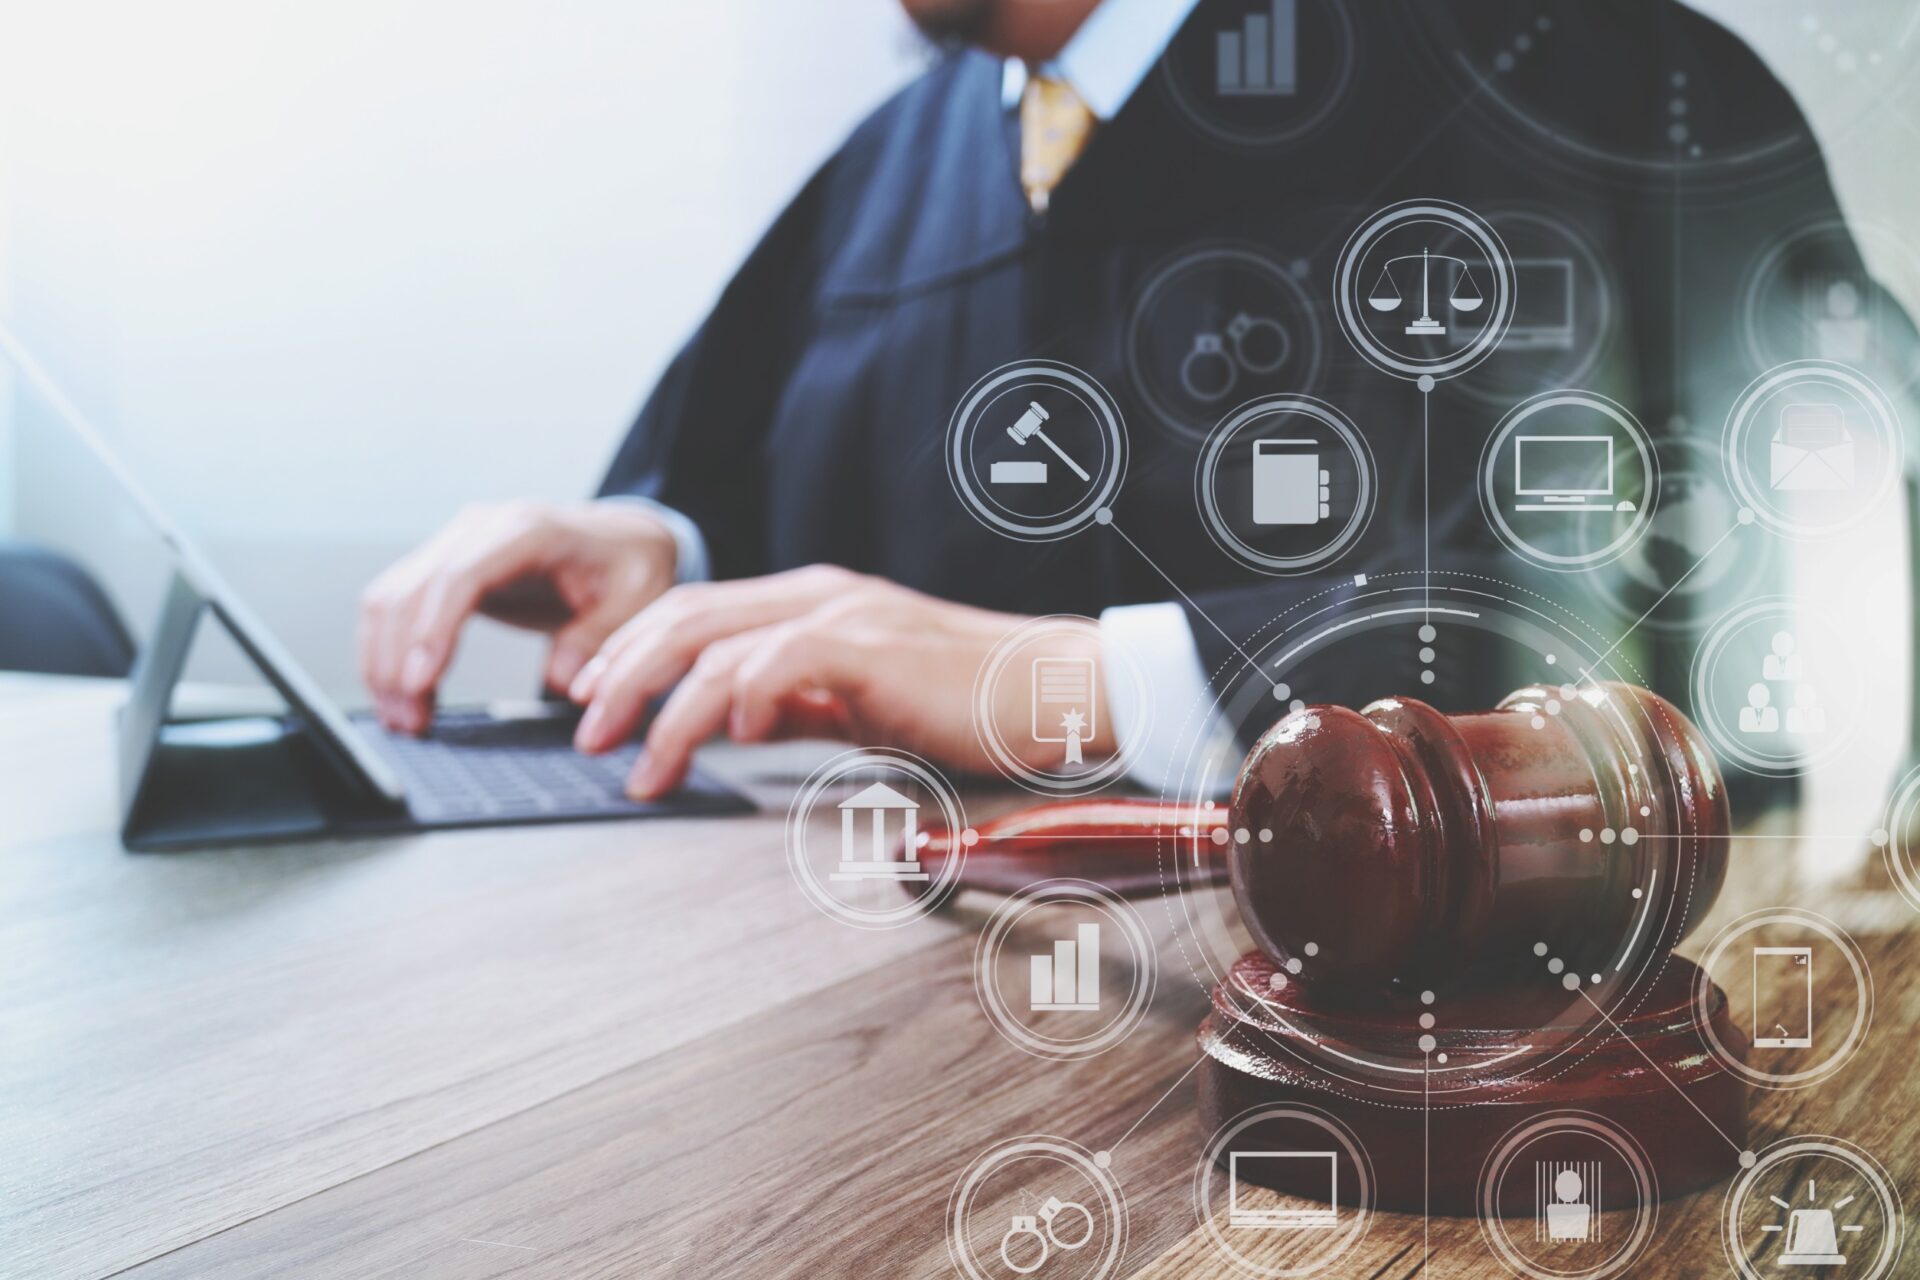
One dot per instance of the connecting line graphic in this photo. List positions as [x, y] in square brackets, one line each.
[1247, 657]
[1741, 1151]
[1426, 502]
[1156, 1102]
[1426, 1164]
[1621, 638]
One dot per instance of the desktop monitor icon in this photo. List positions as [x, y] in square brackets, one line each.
[1543, 305]
[1271, 1166]
[1565, 473]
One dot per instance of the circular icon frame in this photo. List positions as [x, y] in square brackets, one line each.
[1801, 1149]
[1493, 1226]
[1863, 989]
[1007, 761]
[1093, 1168]
[1254, 262]
[1008, 915]
[1272, 139]
[1209, 1167]
[1707, 713]
[1347, 286]
[848, 764]
[1741, 425]
[966, 423]
[1614, 412]
[1207, 469]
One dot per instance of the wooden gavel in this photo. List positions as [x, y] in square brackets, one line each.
[1416, 848]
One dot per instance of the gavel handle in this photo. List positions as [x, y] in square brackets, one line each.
[1125, 845]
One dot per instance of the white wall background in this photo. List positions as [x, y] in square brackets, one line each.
[325, 271]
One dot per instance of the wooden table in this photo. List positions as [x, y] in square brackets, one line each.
[621, 1050]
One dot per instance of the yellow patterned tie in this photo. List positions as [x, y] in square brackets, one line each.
[1054, 128]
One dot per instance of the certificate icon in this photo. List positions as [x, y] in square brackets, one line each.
[1063, 704]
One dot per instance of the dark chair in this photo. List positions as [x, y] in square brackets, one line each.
[55, 619]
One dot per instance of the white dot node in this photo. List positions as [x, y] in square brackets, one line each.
[1242, 836]
[1746, 515]
[1427, 633]
[1312, 948]
[1552, 659]
[1595, 979]
[1277, 982]
[1606, 835]
[1425, 381]
[1103, 516]
[1206, 804]
[1426, 997]
[1523, 42]
[1879, 837]
[1571, 982]
[1266, 835]
[1427, 1043]
[1440, 1057]
[1219, 835]
[1293, 965]
[1538, 722]
[1553, 706]
[1426, 655]
[1426, 1020]
[1645, 812]
[1539, 948]
[1556, 964]
[1298, 704]
[1503, 61]
[1586, 835]
[1748, 1159]
[969, 837]
[1639, 893]
[1104, 1159]
[1426, 677]
[1629, 835]
[1281, 692]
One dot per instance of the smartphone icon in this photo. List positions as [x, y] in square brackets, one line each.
[1783, 997]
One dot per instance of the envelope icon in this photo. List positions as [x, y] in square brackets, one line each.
[1812, 450]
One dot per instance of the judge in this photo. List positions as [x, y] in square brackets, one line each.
[776, 546]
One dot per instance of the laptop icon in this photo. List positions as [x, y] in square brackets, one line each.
[1312, 1170]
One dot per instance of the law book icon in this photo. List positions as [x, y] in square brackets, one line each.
[1288, 485]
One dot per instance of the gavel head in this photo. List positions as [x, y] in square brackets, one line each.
[1029, 422]
[1415, 849]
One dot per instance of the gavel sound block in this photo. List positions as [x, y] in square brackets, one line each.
[1383, 856]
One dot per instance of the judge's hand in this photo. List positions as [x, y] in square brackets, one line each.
[577, 571]
[814, 652]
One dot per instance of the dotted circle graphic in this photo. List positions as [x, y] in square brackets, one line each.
[1817, 378]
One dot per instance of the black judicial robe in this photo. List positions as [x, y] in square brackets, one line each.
[804, 421]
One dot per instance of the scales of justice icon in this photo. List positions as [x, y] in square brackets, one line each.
[1465, 295]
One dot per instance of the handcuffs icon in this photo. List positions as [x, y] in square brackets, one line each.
[1049, 1239]
[1209, 372]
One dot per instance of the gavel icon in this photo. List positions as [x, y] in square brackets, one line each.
[1415, 849]
[1032, 425]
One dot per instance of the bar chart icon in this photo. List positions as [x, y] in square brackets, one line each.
[1069, 978]
[1261, 58]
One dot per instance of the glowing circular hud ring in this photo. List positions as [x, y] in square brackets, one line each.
[1120, 913]
[849, 764]
[1346, 288]
[1621, 542]
[1741, 425]
[1863, 997]
[965, 423]
[1800, 1149]
[1366, 494]
[1038, 1147]
[1493, 1227]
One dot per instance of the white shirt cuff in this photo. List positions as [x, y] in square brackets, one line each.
[1181, 741]
[690, 563]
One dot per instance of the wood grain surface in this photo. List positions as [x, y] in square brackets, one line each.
[625, 1050]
